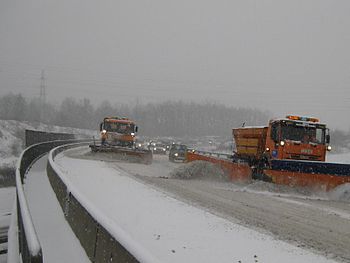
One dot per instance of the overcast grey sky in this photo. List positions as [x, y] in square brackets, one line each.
[286, 56]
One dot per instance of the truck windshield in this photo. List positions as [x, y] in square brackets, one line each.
[303, 134]
[124, 128]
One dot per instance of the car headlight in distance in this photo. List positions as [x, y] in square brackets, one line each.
[139, 145]
[176, 154]
[329, 148]
[132, 134]
[164, 150]
[155, 149]
[282, 143]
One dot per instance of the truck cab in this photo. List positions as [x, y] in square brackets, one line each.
[118, 131]
[297, 138]
[290, 138]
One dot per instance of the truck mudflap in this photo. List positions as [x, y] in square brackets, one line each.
[143, 156]
[238, 172]
[317, 175]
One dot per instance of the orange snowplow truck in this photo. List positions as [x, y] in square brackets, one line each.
[117, 131]
[290, 151]
[118, 135]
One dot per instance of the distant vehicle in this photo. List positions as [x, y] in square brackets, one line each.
[158, 148]
[177, 152]
[139, 144]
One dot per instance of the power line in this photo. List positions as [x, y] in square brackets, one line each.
[42, 87]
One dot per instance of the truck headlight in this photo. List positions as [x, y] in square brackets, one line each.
[282, 143]
[104, 131]
[329, 148]
[132, 134]
[176, 154]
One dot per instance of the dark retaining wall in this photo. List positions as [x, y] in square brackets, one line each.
[34, 137]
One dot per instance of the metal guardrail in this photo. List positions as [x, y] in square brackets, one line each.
[102, 240]
[221, 156]
[30, 250]
[218, 155]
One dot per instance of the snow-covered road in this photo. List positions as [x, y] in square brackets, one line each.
[206, 221]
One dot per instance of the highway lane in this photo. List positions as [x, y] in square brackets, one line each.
[306, 220]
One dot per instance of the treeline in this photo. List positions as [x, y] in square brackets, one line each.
[163, 119]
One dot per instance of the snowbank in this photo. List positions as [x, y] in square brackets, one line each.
[199, 170]
[340, 193]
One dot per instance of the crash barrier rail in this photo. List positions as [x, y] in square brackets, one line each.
[29, 245]
[225, 156]
[236, 171]
[102, 240]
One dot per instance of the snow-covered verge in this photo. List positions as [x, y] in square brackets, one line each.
[6, 203]
[7, 198]
[171, 230]
[12, 134]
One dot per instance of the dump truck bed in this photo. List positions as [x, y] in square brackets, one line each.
[250, 141]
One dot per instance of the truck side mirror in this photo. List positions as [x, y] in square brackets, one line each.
[274, 133]
[274, 137]
[101, 126]
[328, 138]
[136, 129]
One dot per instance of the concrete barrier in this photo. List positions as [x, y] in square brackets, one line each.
[102, 241]
[29, 246]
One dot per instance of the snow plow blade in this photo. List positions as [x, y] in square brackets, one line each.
[138, 155]
[238, 172]
[317, 175]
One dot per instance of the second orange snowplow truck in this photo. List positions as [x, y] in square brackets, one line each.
[118, 131]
